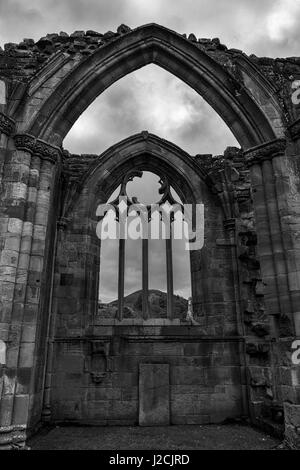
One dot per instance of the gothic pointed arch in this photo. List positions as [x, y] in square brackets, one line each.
[66, 85]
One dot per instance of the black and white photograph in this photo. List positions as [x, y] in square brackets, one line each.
[149, 228]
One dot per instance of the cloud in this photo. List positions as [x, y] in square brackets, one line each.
[154, 100]
[17, 20]
[257, 26]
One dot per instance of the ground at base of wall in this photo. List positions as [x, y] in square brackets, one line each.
[189, 437]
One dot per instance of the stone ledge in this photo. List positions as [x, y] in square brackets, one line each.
[34, 146]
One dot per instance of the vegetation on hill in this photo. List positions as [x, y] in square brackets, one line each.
[157, 305]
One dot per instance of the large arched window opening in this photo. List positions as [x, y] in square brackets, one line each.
[176, 112]
[148, 273]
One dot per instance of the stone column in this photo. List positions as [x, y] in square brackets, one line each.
[13, 181]
[169, 269]
[7, 126]
[274, 183]
[268, 223]
[28, 181]
[121, 274]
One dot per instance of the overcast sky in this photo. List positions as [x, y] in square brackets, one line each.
[150, 98]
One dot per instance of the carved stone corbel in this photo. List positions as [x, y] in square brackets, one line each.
[99, 362]
[35, 146]
[265, 151]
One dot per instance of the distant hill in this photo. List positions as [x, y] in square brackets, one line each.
[157, 305]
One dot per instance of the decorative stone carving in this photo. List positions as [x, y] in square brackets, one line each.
[258, 350]
[265, 151]
[35, 146]
[7, 125]
[260, 329]
[248, 255]
[259, 378]
[259, 382]
[99, 363]
[13, 437]
[145, 135]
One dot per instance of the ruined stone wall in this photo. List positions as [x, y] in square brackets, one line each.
[20, 63]
[228, 294]
[253, 257]
[205, 377]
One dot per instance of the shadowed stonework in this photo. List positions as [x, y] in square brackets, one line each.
[65, 363]
[154, 391]
[213, 437]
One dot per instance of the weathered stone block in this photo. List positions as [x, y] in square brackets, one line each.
[292, 436]
[9, 258]
[14, 225]
[26, 354]
[187, 375]
[6, 408]
[71, 363]
[154, 395]
[21, 404]
[130, 393]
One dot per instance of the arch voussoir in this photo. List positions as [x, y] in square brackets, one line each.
[168, 50]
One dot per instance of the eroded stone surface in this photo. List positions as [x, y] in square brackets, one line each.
[154, 395]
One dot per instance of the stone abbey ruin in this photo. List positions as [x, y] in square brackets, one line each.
[60, 360]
